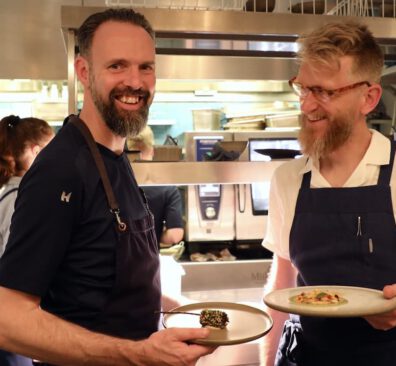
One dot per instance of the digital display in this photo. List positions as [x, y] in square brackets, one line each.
[209, 190]
[266, 149]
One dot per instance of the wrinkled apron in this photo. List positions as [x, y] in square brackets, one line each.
[342, 236]
[132, 307]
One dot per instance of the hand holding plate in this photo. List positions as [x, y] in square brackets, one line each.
[386, 320]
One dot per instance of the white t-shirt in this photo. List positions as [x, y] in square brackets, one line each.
[6, 210]
[286, 182]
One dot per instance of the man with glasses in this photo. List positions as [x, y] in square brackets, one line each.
[331, 213]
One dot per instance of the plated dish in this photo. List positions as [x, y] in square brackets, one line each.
[246, 323]
[354, 301]
[318, 297]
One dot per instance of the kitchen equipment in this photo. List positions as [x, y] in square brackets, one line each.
[209, 211]
[260, 5]
[206, 119]
[167, 153]
[234, 212]
[234, 146]
[181, 4]
[283, 120]
[267, 149]
[251, 200]
[309, 7]
[279, 153]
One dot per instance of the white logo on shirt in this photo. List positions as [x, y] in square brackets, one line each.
[65, 197]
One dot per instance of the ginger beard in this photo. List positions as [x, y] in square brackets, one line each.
[122, 122]
[338, 131]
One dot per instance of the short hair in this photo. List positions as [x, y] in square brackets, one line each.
[86, 32]
[325, 45]
[142, 141]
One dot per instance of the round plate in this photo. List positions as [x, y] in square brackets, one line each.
[246, 323]
[360, 302]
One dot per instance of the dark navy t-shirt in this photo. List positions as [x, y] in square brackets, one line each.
[166, 205]
[62, 240]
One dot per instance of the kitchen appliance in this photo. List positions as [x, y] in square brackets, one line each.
[209, 209]
[206, 119]
[234, 212]
[251, 200]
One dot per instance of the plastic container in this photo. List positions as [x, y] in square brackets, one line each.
[206, 119]
[171, 276]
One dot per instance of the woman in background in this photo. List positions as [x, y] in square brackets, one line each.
[21, 139]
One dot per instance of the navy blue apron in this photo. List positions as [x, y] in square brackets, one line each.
[12, 359]
[342, 236]
[132, 308]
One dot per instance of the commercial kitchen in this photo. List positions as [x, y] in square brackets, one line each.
[223, 68]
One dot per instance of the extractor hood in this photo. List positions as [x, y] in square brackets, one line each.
[194, 44]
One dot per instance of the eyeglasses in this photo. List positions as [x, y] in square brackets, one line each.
[323, 95]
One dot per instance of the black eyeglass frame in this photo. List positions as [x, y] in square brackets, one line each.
[318, 92]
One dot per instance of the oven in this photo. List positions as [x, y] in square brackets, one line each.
[234, 215]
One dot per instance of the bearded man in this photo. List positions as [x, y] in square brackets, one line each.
[332, 211]
[79, 280]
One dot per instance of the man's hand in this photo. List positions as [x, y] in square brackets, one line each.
[387, 320]
[169, 347]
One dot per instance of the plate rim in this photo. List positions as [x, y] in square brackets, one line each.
[306, 310]
[223, 304]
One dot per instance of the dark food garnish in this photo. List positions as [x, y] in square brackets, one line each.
[213, 318]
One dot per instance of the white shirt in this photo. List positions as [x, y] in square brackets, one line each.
[286, 182]
[6, 210]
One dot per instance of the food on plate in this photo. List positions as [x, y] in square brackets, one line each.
[318, 297]
[207, 317]
[213, 318]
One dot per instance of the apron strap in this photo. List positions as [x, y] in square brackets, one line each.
[114, 208]
[386, 170]
[291, 346]
[306, 181]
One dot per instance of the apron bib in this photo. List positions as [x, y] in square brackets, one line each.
[132, 308]
[343, 236]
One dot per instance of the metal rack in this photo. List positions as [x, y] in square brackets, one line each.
[182, 4]
[363, 8]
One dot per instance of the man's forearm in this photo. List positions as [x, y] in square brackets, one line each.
[27, 329]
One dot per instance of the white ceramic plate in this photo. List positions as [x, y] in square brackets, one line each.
[246, 323]
[360, 302]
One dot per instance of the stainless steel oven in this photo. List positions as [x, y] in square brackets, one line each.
[210, 212]
[233, 212]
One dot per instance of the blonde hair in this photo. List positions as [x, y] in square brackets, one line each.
[325, 45]
[143, 141]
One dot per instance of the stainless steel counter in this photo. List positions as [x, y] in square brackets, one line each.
[241, 281]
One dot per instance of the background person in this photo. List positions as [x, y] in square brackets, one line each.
[87, 289]
[21, 139]
[332, 212]
[164, 201]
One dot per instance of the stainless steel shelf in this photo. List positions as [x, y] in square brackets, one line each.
[192, 173]
[237, 23]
